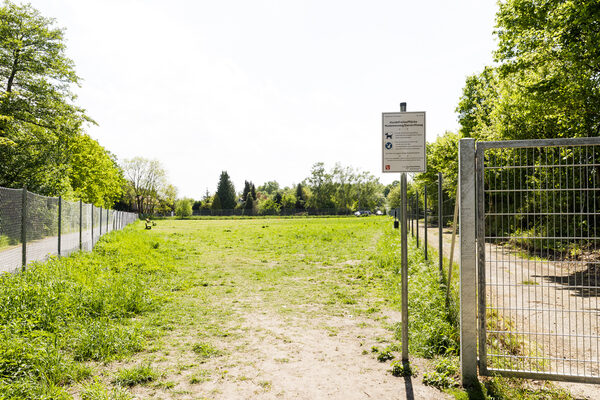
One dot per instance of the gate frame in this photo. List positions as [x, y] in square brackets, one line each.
[472, 208]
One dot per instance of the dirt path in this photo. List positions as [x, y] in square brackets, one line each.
[558, 319]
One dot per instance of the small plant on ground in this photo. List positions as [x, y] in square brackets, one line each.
[137, 375]
[400, 368]
[444, 375]
[385, 355]
[205, 350]
[97, 391]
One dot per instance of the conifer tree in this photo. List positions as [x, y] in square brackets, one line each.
[247, 189]
[253, 190]
[226, 192]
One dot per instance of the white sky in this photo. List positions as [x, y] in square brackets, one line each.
[266, 88]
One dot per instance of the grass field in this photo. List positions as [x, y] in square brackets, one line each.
[226, 308]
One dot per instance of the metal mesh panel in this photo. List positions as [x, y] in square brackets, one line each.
[41, 227]
[96, 226]
[542, 259]
[43, 217]
[86, 227]
[69, 227]
[10, 229]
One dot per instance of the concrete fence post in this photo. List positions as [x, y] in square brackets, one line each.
[468, 262]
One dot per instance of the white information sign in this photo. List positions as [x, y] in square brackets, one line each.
[403, 140]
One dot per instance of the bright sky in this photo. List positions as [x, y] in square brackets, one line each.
[266, 88]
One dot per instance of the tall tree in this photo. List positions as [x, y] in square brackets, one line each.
[146, 179]
[247, 189]
[38, 118]
[546, 83]
[226, 192]
[300, 197]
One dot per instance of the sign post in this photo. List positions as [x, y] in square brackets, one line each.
[403, 150]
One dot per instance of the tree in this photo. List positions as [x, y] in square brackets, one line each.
[216, 203]
[183, 208]
[146, 178]
[277, 198]
[38, 118]
[226, 192]
[253, 191]
[94, 173]
[247, 189]
[545, 83]
[300, 197]
[249, 205]
[269, 187]
[321, 185]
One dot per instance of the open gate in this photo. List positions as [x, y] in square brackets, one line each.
[533, 209]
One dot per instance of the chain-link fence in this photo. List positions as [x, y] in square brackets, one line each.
[34, 227]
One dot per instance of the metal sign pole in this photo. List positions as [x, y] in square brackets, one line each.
[404, 259]
[403, 151]
[404, 267]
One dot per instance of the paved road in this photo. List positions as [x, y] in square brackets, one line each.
[40, 250]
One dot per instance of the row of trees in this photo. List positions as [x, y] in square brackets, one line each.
[43, 143]
[340, 190]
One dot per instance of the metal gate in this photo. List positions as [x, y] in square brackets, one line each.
[537, 224]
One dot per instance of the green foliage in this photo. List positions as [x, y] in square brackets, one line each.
[42, 144]
[225, 193]
[95, 176]
[183, 208]
[342, 189]
[269, 188]
[546, 82]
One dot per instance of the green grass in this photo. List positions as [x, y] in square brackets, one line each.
[183, 290]
[58, 313]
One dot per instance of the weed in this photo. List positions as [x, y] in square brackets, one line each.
[205, 350]
[400, 368]
[95, 390]
[445, 373]
[385, 355]
[136, 375]
[200, 376]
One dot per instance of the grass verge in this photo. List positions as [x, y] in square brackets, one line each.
[434, 326]
[57, 316]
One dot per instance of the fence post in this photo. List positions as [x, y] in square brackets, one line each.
[425, 220]
[100, 223]
[417, 216]
[80, 224]
[468, 263]
[24, 226]
[59, 222]
[440, 224]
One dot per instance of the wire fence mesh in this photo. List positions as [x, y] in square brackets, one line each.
[541, 270]
[34, 227]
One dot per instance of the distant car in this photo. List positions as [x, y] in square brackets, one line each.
[378, 212]
[362, 213]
